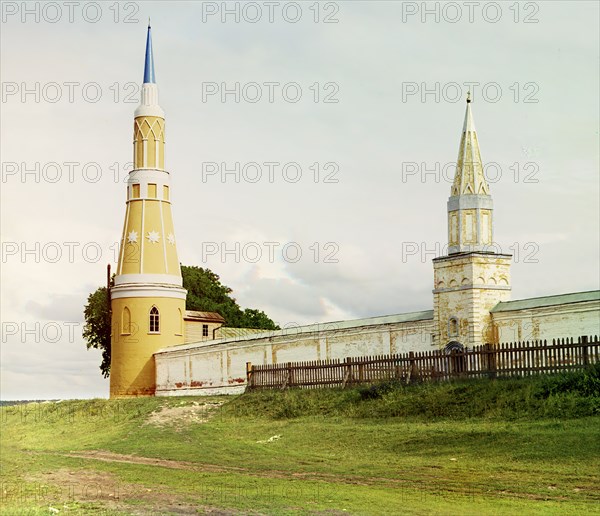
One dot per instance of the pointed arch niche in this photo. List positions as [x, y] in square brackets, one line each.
[126, 322]
[180, 331]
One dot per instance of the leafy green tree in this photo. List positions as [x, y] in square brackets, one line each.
[97, 326]
[252, 318]
[206, 293]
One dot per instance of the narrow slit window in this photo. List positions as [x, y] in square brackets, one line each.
[205, 330]
[154, 320]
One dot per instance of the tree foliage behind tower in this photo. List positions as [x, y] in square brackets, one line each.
[206, 293]
[97, 326]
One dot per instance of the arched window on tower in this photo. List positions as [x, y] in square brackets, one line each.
[126, 322]
[154, 320]
[453, 327]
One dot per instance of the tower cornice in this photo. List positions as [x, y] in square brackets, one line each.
[470, 254]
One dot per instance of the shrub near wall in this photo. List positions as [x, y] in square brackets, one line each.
[567, 395]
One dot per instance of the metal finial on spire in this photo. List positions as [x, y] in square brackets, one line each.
[468, 97]
[149, 76]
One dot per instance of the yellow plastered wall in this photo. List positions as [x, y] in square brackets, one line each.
[154, 252]
[172, 259]
[145, 256]
[132, 362]
[130, 257]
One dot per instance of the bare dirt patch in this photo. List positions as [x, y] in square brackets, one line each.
[197, 412]
[69, 490]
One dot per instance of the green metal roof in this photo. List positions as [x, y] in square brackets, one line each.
[539, 302]
[225, 332]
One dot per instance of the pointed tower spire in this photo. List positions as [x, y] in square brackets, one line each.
[470, 204]
[149, 76]
[149, 105]
[469, 177]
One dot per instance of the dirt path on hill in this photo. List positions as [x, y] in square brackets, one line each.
[69, 490]
[107, 456]
[408, 482]
[83, 485]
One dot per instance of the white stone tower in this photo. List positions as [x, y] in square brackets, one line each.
[472, 278]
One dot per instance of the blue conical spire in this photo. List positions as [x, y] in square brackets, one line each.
[149, 63]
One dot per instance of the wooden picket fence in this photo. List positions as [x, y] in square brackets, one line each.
[488, 360]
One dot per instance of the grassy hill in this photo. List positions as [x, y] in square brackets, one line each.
[478, 447]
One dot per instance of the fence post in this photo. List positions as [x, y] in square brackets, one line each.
[412, 377]
[490, 360]
[287, 381]
[348, 373]
[249, 374]
[584, 343]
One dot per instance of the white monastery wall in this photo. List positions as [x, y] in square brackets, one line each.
[548, 322]
[219, 366]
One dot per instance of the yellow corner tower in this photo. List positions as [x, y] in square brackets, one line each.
[147, 300]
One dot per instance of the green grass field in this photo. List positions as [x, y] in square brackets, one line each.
[481, 447]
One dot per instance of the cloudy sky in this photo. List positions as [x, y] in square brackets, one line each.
[326, 131]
